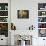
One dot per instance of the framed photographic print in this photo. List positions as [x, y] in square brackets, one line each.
[22, 14]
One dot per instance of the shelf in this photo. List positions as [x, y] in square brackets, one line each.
[3, 16]
[42, 16]
[41, 22]
[3, 10]
[41, 28]
[41, 10]
[3, 22]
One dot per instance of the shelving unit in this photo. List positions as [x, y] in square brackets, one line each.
[4, 19]
[42, 19]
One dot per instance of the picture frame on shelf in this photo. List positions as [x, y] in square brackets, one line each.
[41, 25]
[3, 13]
[42, 32]
[3, 19]
[41, 13]
[41, 6]
[3, 6]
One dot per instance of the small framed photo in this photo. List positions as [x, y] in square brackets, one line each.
[22, 14]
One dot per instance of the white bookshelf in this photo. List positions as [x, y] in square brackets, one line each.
[41, 19]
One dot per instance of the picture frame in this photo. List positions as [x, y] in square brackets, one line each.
[22, 14]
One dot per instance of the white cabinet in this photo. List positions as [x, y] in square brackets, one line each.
[3, 40]
[41, 41]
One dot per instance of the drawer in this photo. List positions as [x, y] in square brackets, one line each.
[3, 41]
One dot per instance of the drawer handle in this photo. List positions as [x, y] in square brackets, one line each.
[43, 39]
[1, 39]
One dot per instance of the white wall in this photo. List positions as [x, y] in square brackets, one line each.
[32, 6]
[23, 24]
